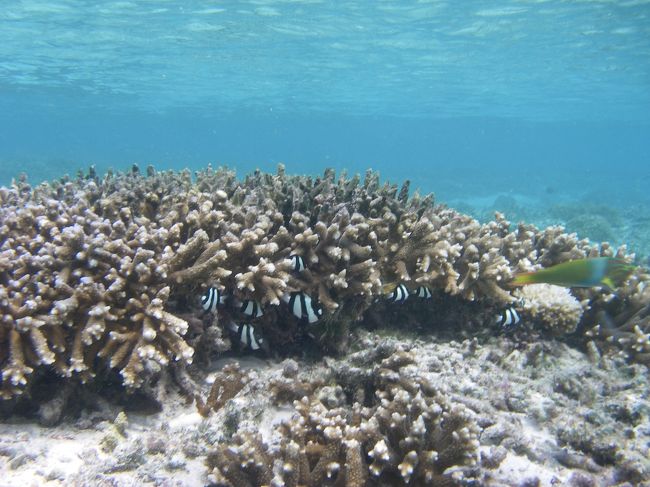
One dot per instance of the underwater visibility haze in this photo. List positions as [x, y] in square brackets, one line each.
[471, 99]
[307, 242]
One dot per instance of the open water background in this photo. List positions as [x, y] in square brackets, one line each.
[538, 108]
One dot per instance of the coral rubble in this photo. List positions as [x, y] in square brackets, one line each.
[103, 275]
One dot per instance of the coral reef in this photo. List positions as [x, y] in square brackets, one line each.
[597, 221]
[104, 275]
[406, 433]
[545, 414]
[78, 284]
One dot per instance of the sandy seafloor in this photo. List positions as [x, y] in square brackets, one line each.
[549, 416]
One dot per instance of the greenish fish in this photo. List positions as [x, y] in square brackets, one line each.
[599, 271]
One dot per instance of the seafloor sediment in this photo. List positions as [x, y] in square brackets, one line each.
[537, 413]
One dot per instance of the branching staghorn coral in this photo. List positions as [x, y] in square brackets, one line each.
[76, 286]
[100, 274]
[626, 328]
[408, 433]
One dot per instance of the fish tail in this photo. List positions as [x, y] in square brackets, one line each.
[608, 282]
[617, 271]
[524, 278]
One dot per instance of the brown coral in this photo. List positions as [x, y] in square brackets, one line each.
[409, 433]
[626, 328]
[76, 286]
[100, 274]
[227, 384]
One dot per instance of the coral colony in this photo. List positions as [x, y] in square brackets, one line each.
[132, 276]
[408, 419]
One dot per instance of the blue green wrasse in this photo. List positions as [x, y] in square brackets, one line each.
[599, 271]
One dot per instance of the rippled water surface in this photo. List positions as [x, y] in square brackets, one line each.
[513, 105]
[530, 59]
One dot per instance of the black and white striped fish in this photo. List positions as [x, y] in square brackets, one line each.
[399, 294]
[248, 335]
[212, 299]
[423, 292]
[302, 307]
[508, 319]
[297, 263]
[251, 308]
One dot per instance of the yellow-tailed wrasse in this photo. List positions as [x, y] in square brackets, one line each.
[302, 307]
[598, 271]
[509, 318]
[251, 308]
[297, 263]
[399, 294]
[422, 292]
[212, 299]
[248, 335]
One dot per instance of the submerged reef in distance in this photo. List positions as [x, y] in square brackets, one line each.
[400, 311]
[103, 275]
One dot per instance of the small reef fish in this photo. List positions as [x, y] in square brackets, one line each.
[508, 319]
[302, 306]
[248, 335]
[212, 299]
[422, 292]
[251, 308]
[598, 271]
[399, 294]
[297, 263]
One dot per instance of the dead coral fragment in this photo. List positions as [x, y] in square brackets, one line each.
[227, 384]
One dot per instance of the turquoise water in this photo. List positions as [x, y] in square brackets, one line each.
[515, 105]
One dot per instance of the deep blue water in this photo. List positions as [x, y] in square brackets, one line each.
[455, 158]
[542, 102]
